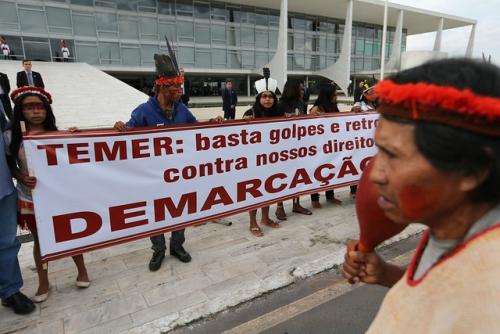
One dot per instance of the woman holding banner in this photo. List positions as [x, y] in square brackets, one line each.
[292, 104]
[439, 165]
[265, 106]
[32, 106]
[325, 103]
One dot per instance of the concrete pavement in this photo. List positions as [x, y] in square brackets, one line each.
[229, 266]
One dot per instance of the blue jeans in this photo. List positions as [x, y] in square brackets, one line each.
[10, 273]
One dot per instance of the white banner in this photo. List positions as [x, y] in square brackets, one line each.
[99, 188]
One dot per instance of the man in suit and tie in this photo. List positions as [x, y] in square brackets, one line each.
[4, 94]
[29, 77]
[229, 100]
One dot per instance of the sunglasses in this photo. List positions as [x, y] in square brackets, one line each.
[33, 106]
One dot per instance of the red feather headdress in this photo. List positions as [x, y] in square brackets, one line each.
[22, 91]
[441, 104]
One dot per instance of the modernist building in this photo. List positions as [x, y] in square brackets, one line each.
[219, 39]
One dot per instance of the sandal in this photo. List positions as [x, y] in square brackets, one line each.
[280, 213]
[335, 201]
[302, 210]
[256, 231]
[271, 224]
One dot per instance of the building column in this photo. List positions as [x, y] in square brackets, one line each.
[307, 81]
[340, 72]
[248, 84]
[437, 42]
[394, 62]
[384, 40]
[470, 45]
[278, 64]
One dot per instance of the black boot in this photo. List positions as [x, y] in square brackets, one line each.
[180, 253]
[156, 259]
[19, 303]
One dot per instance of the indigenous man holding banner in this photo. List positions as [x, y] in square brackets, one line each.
[162, 109]
[439, 165]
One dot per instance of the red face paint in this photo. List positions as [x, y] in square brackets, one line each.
[415, 201]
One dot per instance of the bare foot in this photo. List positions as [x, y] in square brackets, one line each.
[270, 223]
[280, 213]
[299, 209]
[316, 204]
[42, 289]
[255, 230]
[335, 201]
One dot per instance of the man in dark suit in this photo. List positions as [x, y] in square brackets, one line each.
[229, 100]
[29, 77]
[306, 97]
[358, 92]
[186, 86]
[4, 94]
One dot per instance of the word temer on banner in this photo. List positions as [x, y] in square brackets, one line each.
[97, 189]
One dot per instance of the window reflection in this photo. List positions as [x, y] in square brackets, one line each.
[32, 21]
[84, 24]
[87, 52]
[128, 27]
[198, 27]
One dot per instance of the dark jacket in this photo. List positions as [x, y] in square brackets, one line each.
[187, 88]
[22, 79]
[229, 100]
[291, 107]
[358, 94]
[4, 82]
[150, 114]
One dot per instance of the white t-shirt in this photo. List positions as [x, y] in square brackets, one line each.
[364, 106]
[65, 52]
[5, 49]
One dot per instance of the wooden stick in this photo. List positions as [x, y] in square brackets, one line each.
[23, 127]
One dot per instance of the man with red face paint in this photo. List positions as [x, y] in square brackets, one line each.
[439, 165]
[162, 109]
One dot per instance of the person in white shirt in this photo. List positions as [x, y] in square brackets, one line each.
[5, 49]
[65, 54]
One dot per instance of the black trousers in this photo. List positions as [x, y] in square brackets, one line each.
[230, 113]
[176, 240]
[329, 195]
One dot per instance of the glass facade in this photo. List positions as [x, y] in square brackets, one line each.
[207, 34]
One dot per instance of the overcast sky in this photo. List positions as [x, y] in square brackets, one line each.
[454, 41]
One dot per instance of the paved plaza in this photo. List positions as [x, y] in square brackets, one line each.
[229, 266]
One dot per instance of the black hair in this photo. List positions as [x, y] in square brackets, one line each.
[49, 124]
[324, 99]
[25, 61]
[291, 91]
[456, 150]
[259, 111]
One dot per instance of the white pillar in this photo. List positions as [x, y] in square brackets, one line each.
[394, 62]
[278, 64]
[439, 34]
[340, 72]
[384, 39]
[470, 46]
